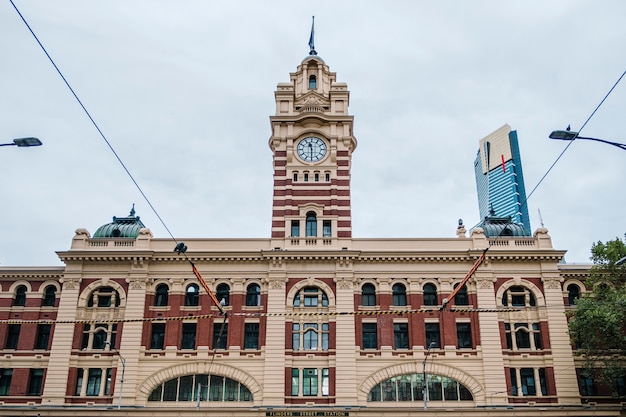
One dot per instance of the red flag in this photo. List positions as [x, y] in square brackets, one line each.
[503, 166]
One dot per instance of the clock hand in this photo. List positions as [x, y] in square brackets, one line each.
[311, 150]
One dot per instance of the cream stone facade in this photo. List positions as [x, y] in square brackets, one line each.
[317, 323]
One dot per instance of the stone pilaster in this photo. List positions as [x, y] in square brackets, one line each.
[274, 372]
[346, 389]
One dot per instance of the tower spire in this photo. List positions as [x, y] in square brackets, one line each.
[312, 38]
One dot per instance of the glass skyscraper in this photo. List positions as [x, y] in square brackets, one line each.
[499, 177]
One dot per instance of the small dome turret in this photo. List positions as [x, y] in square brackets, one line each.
[121, 227]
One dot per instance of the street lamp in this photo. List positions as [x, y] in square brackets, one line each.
[569, 135]
[23, 142]
[119, 402]
[425, 386]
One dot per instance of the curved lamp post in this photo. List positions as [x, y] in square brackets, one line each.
[425, 389]
[119, 401]
[23, 142]
[569, 135]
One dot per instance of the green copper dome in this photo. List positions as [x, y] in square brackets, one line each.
[502, 227]
[121, 227]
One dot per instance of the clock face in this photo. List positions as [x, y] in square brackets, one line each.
[311, 149]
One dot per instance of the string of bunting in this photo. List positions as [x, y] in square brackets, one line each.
[261, 314]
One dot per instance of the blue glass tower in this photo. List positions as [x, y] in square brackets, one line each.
[499, 177]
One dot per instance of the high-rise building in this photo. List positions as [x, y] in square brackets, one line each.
[500, 179]
[309, 321]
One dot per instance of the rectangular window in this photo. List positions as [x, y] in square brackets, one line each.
[35, 381]
[527, 377]
[157, 338]
[295, 381]
[43, 336]
[327, 229]
[325, 382]
[295, 228]
[188, 340]
[513, 375]
[309, 382]
[5, 381]
[317, 177]
[464, 335]
[306, 177]
[433, 335]
[93, 381]
[220, 335]
[509, 339]
[327, 177]
[537, 336]
[295, 177]
[522, 336]
[107, 384]
[370, 336]
[543, 384]
[325, 336]
[251, 336]
[295, 336]
[401, 335]
[79, 381]
[13, 336]
[586, 386]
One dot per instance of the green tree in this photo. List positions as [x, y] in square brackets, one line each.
[598, 324]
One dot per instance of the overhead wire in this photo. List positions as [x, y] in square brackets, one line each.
[119, 159]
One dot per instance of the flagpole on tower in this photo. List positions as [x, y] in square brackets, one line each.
[312, 38]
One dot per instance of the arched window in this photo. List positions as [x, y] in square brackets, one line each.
[222, 293]
[368, 295]
[430, 295]
[311, 224]
[190, 388]
[461, 298]
[310, 297]
[161, 295]
[192, 295]
[104, 297]
[518, 296]
[253, 295]
[399, 295]
[49, 296]
[410, 387]
[573, 294]
[20, 296]
[312, 82]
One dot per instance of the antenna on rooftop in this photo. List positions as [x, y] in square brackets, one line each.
[540, 218]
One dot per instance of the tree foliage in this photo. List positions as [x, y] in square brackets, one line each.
[598, 324]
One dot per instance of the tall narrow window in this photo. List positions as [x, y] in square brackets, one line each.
[430, 295]
[464, 335]
[222, 292]
[327, 177]
[295, 381]
[5, 381]
[461, 298]
[295, 228]
[13, 336]
[309, 382]
[43, 336]
[312, 82]
[327, 229]
[400, 335]
[157, 337]
[368, 295]
[370, 336]
[399, 295]
[192, 295]
[188, 340]
[306, 177]
[527, 379]
[220, 335]
[94, 380]
[161, 295]
[573, 293]
[35, 381]
[20, 296]
[311, 224]
[295, 177]
[49, 296]
[251, 336]
[433, 335]
[253, 295]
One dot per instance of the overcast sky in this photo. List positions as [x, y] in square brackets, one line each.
[183, 91]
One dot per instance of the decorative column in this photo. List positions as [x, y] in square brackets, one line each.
[274, 372]
[57, 374]
[345, 369]
[565, 378]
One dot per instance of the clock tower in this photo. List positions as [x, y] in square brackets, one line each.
[312, 143]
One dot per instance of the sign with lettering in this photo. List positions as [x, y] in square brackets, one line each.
[307, 414]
